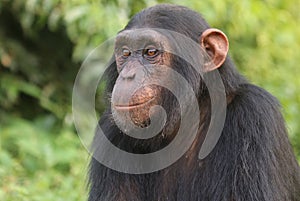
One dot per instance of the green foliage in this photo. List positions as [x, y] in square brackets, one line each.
[43, 43]
[36, 164]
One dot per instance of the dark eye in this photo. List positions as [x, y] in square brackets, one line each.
[151, 52]
[125, 52]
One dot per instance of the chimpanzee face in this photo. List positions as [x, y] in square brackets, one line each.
[140, 56]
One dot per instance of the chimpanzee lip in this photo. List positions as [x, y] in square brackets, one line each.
[134, 105]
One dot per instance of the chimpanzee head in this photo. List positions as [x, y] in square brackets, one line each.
[146, 52]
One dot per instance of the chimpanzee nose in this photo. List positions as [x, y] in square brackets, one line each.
[128, 74]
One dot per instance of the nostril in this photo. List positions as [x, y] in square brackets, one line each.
[128, 75]
[131, 75]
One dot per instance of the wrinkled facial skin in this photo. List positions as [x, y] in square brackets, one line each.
[139, 56]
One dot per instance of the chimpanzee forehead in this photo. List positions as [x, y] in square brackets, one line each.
[137, 37]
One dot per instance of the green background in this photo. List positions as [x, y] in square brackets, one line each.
[43, 43]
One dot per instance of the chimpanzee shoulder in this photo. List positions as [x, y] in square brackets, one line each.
[256, 141]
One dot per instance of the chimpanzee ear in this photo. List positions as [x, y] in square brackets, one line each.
[215, 43]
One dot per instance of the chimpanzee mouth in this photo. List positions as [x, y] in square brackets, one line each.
[135, 105]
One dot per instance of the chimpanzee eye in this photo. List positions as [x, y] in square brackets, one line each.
[151, 52]
[126, 52]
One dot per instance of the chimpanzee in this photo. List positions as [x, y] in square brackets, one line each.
[252, 159]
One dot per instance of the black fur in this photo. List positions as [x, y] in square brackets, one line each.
[253, 160]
